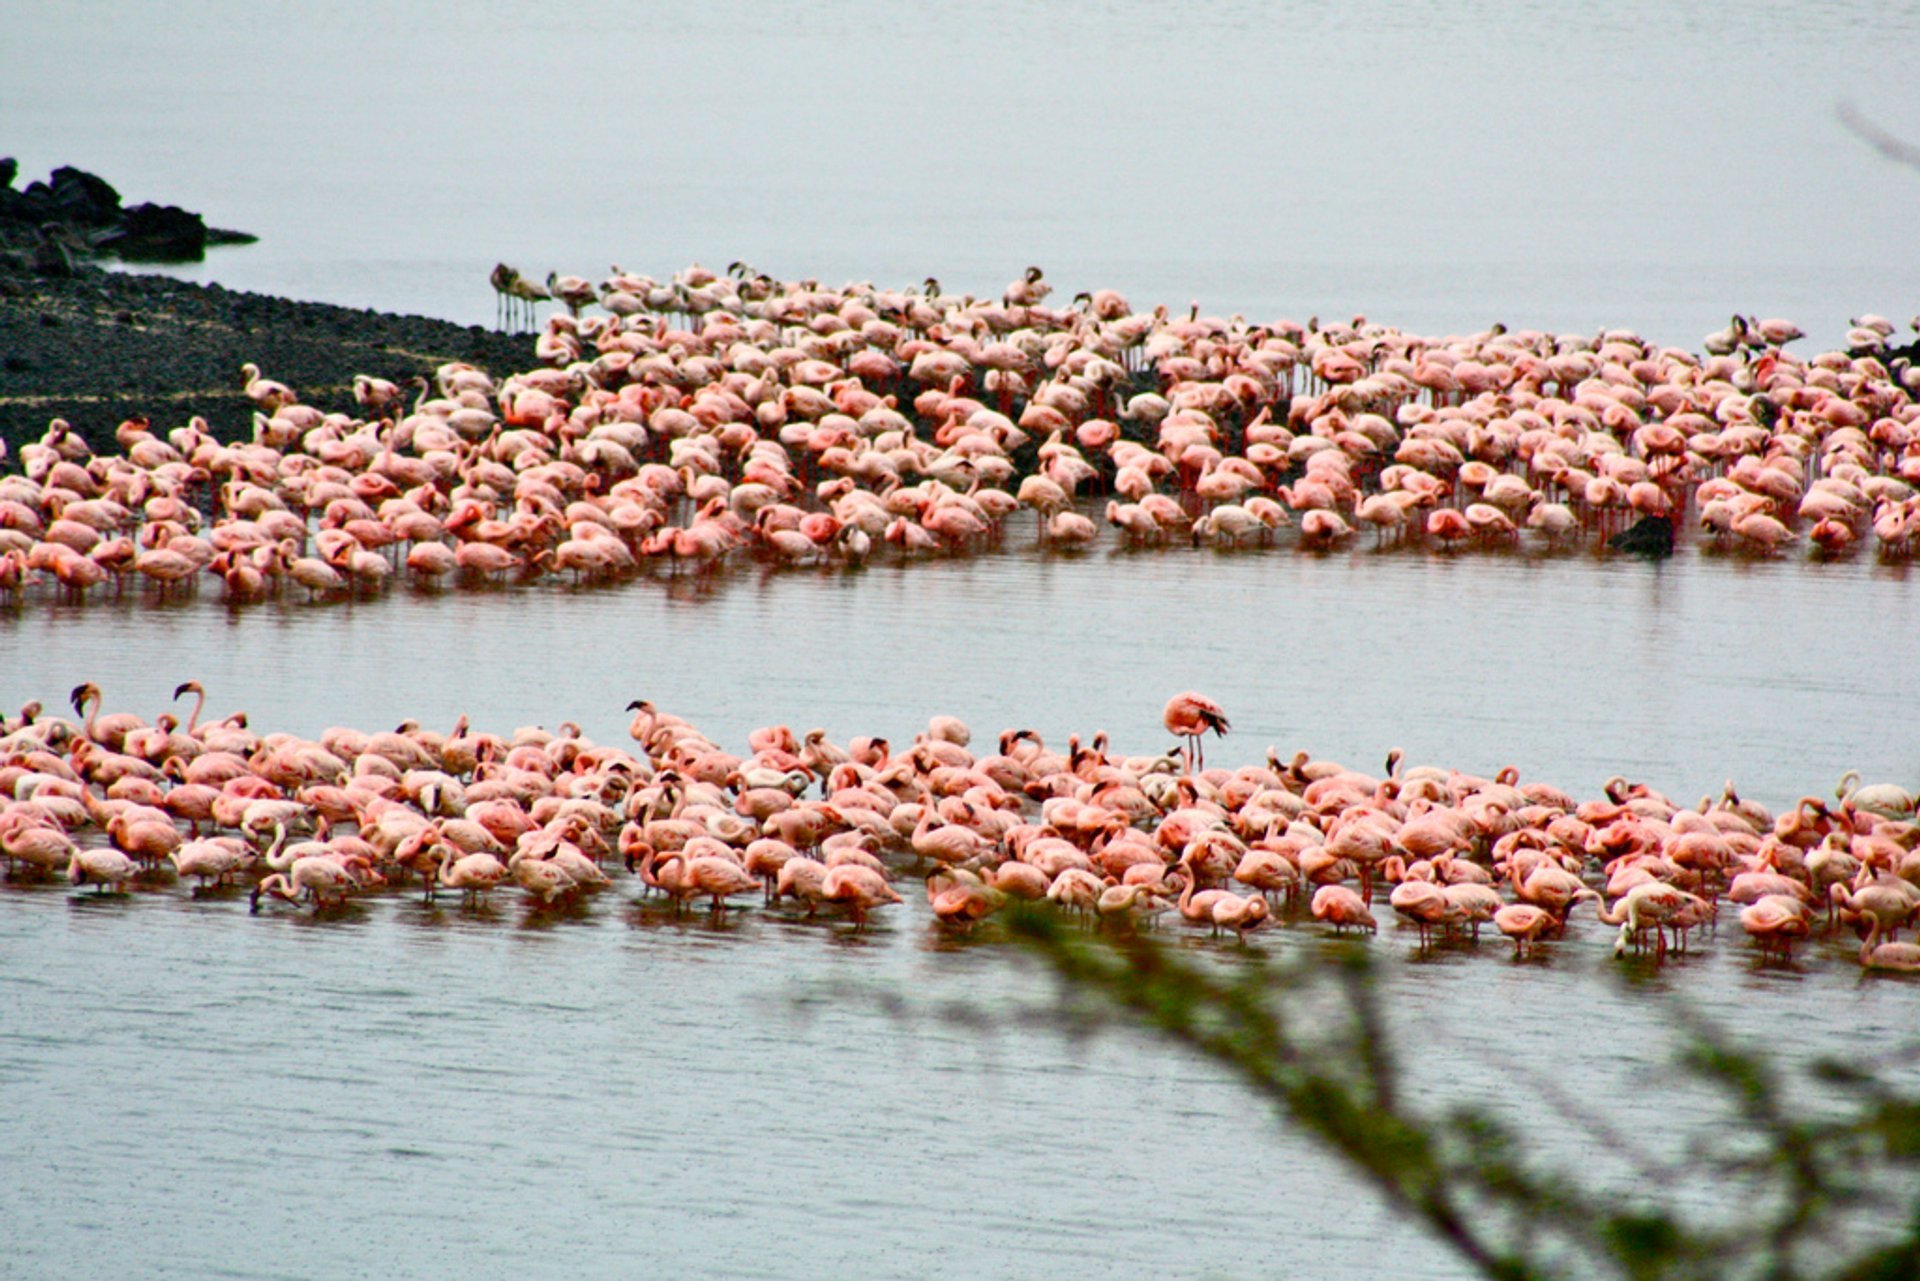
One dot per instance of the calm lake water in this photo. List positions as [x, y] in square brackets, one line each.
[1780, 675]
[1436, 166]
[405, 1092]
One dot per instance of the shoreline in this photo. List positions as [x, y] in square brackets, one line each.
[101, 346]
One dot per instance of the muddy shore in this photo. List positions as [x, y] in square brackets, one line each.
[102, 346]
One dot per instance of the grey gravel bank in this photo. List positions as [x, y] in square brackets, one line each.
[100, 346]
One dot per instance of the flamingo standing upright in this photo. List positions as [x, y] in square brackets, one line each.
[1190, 715]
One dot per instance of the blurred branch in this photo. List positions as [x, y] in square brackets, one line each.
[1895, 149]
[1798, 1188]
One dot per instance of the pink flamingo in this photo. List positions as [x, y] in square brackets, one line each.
[717, 878]
[1343, 909]
[961, 900]
[109, 869]
[1427, 906]
[1190, 715]
[1525, 924]
[1774, 921]
[805, 879]
[861, 888]
[1902, 957]
[1653, 905]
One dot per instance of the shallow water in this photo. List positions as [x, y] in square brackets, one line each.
[1438, 167]
[1778, 674]
[403, 1090]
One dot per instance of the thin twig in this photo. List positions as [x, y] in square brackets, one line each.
[1895, 149]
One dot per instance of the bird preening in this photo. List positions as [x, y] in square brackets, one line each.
[1190, 715]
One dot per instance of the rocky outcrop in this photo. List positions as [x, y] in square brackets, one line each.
[99, 346]
[158, 232]
[1651, 536]
[74, 215]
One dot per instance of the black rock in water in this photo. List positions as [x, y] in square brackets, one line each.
[1651, 536]
[79, 214]
[158, 233]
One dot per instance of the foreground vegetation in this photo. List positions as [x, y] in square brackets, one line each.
[1799, 1190]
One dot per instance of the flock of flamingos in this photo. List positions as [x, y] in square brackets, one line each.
[695, 422]
[688, 423]
[834, 831]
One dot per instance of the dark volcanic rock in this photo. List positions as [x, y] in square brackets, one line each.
[1909, 353]
[24, 208]
[83, 197]
[81, 214]
[50, 258]
[103, 346]
[158, 233]
[1650, 536]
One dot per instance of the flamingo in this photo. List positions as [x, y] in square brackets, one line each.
[109, 731]
[1774, 921]
[1197, 908]
[1901, 957]
[1476, 902]
[539, 877]
[318, 876]
[949, 843]
[1888, 800]
[573, 292]
[270, 396]
[501, 278]
[1343, 909]
[1525, 924]
[1239, 914]
[1427, 906]
[718, 878]
[861, 889]
[1268, 872]
[1077, 890]
[1016, 879]
[1028, 290]
[1653, 905]
[960, 901]
[45, 847]
[1126, 904]
[109, 869]
[527, 292]
[1883, 907]
[214, 859]
[1190, 715]
[805, 879]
